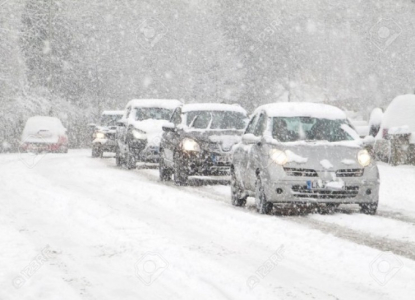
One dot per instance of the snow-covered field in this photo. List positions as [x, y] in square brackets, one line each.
[73, 227]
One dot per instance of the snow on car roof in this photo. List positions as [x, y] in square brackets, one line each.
[113, 112]
[39, 121]
[213, 107]
[401, 112]
[302, 109]
[162, 103]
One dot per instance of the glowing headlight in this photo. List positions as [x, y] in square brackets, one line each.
[100, 135]
[140, 135]
[364, 158]
[190, 145]
[278, 156]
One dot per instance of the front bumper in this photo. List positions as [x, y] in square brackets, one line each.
[355, 191]
[107, 145]
[207, 163]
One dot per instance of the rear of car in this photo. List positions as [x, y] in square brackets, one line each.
[104, 134]
[44, 134]
[201, 141]
[395, 141]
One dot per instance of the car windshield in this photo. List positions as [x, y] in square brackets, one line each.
[292, 129]
[154, 113]
[216, 120]
[109, 120]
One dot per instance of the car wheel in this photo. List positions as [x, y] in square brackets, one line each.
[95, 151]
[118, 159]
[130, 161]
[164, 172]
[332, 206]
[180, 172]
[263, 207]
[369, 209]
[236, 192]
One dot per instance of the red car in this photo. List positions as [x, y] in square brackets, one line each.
[44, 134]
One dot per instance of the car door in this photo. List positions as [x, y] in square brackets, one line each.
[255, 154]
[241, 154]
[170, 138]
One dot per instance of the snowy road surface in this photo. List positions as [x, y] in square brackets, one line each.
[73, 227]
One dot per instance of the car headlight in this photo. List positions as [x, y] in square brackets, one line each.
[100, 135]
[139, 135]
[363, 157]
[190, 145]
[278, 156]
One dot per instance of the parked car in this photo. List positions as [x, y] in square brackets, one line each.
[395, 141]
[303, 153]
[44, 134]
[103, 138]
[199, 140]
[375, 121]
[139, 130]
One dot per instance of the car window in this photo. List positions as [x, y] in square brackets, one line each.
[292, 129]
[216, 120]
[154, 113]
[260, 125]
[251, 126]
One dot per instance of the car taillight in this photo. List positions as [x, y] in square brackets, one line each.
[385, 132]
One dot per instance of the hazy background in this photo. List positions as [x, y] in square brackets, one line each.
[75, 58]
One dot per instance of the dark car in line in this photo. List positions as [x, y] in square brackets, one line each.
[199, 141]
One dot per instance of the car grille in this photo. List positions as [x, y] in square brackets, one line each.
[300, 172]
[214, 147]
[110, 136]
[301, 191]
[350, 173]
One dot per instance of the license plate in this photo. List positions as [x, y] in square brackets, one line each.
[311, 185]
[221, 158]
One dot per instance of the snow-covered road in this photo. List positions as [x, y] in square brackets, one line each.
[73, 227]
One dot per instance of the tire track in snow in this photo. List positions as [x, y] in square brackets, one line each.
[404, 249]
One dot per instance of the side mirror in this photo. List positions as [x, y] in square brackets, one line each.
[120, 123]
[169, 127]
[249, 139]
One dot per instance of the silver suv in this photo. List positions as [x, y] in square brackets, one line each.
[302, 153]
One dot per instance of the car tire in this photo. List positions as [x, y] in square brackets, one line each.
[369, 209]
[332, 206]
[180, 173]
[164, 172]
[236, 191]
[96, 151]
[263, 206]
[130, 161]
[118, 159]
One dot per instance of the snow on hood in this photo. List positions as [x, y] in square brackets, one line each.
[226, 141]
[320, 157]
[153, 128]
[42, 129]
